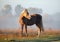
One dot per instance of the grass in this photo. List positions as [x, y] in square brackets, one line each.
[33, 39]
[44, 37]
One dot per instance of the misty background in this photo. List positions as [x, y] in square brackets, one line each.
[11, 10]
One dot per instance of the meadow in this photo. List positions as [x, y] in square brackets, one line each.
[46, 36]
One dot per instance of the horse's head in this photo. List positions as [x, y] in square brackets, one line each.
[25, 14]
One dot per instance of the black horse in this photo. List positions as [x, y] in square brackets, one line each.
[34, 19]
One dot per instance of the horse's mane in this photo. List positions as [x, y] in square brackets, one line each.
[22, 14]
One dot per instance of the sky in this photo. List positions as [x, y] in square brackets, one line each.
[48, 6]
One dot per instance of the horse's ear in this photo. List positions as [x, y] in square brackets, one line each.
[26, 11]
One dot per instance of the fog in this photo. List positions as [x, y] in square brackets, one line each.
[10, 12]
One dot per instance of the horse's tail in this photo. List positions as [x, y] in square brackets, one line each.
[42, 28]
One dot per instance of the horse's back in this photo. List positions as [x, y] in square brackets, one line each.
[38, 15]
[36, 18]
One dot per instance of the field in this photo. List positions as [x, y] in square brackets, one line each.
[47, 36]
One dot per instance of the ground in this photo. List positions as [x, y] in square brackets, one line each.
[47, 36]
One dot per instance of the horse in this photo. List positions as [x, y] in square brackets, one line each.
[28, 20]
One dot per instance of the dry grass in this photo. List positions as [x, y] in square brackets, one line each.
[32, 34]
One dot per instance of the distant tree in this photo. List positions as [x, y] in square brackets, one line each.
[7, 9]
[18, 9]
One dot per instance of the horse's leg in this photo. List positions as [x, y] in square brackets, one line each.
[22, 30]
[26, 30]
[39, 29]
